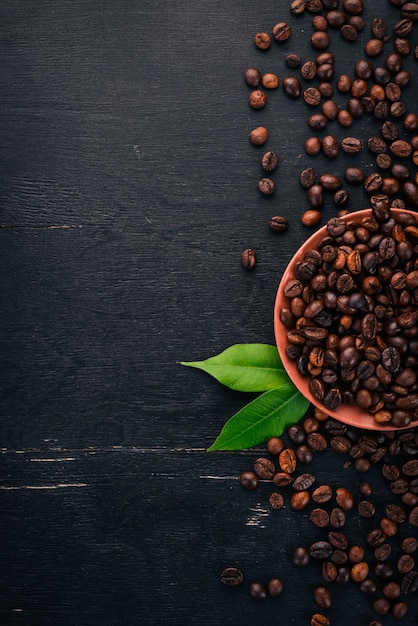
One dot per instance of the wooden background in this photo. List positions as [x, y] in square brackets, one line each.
[128, 190]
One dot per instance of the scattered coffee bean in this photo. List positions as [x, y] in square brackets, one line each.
[249, 258]
[232, 576]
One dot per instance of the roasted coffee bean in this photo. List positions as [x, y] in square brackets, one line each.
[338, 540]
[401, 148]
[264, 468]
[320, 550]
[337, 517]
[299, 500]
[270, 80]
[319, 517]
[351, 145]
[349, 32]
[257, 591]
[366, 508]
[281, 31]
[413, 516]
[405, 563]
[257, 99]
[266, 186]
[282, 479]
[373, 47]
[410, 11]
[300, 557]
[232, 576]
[249, 258]
[410, 582]
[383, 552]
[318, 121]
[320, 40]
[354, 175]
[307, 177]
[303, 482]
[330, 146]
[399, 610]
[322, 494]
[381, 606]
[275, 587]
[278, 223]
[287, 460]
[252, 76]
[292, 86]
[258, 136]
[262, 40]
[308, 71]
[395, 513]
[379, 28]
[313, 146]
[249, 480]
[322, 597]
[319, 620]
[369, 586]
[269, 161]
[360, 571]
[294, 60]
[276, 500]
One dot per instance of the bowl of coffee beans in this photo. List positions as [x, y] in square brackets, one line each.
[346, 318]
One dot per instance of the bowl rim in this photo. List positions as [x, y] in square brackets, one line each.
[351, 415]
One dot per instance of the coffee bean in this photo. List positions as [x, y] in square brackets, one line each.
[292, 86]
[269, 161]
[252, 77]
[275, 587]
[257, 591]
[319, 620]
[264, 468]
[405, 563]
[320, 40]
[266, 186]
[319, 517]
[262, 41]
[320, 550]
[276, 500]
[248, 480]
[303, 482]
[249, 258]
[300, 557]
[311, 217]
[278, 223]
[366, 508]
[329, 571]
[410, 11]
[257, 99]
[258, 136]
[270, 80]
[409, 545]
[232, 576]
[337, 517]
[287, 460]
[294, 60]
[322, 597]
[281, 31]
[413, 516]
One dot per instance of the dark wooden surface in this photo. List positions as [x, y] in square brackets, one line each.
[128, 190]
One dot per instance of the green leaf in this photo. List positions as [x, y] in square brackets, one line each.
[245, 367]
[267, 416]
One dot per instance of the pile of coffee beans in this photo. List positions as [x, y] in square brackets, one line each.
[371, 94]
[383, 564]
[352, 315]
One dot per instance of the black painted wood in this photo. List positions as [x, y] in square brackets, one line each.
[128, 190]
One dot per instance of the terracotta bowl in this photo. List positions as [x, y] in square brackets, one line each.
[348, 414]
